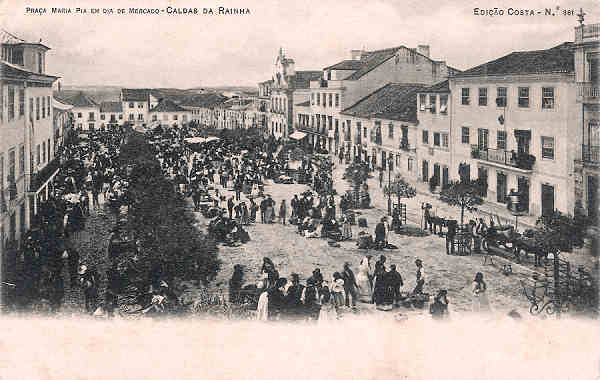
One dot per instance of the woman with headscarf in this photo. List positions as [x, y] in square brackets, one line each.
[327, 312]
[346, 228]
[365, 271]
[380, 287]
[479, 289]
[262, 309]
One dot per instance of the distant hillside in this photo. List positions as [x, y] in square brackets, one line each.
[244, 89]
[196, 95]
[98, 93]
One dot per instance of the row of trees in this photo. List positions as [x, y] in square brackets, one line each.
[170, 243]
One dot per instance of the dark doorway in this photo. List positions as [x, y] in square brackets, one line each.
[425, 171]
[444, 177]
[523, 189]
[436, 172]
[547, 200]
[501, 187]
[482, 175]
[592, 196]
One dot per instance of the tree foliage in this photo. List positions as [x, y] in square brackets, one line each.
[400, 188]
[564, 231]
[356, 174]
[170, 243]
[463, 194]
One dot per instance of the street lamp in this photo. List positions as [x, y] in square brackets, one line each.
[390, 163]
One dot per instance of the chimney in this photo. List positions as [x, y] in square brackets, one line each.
[423, 49]
[356, 54]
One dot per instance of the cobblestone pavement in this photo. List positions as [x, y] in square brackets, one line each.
[294, 253]
[92, 244]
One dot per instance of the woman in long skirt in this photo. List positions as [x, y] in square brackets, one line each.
[365, 271]
[481, 304]
[262, 310]
[327, 313]
[346, 228]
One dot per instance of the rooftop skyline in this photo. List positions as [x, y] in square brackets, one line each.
[187, 51]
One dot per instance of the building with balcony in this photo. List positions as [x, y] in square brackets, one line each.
[433, 145]
[27, 144]
[85, 111]
[345, 83]
[62, 121]
[587, 164]
[514, 125]
[384, 126]
[136, 104]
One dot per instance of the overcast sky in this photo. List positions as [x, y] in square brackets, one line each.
[188, 51]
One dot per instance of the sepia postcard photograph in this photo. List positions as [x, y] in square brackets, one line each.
[334, 189]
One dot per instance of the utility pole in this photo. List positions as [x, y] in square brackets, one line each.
[389, 186]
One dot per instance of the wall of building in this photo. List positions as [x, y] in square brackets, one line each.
[404, 71]
[558, 123]
[84, 121]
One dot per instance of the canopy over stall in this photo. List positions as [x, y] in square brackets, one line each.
[298, 135]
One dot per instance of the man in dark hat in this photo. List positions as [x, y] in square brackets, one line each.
[380, 232]
[350, 285]
[395, 282]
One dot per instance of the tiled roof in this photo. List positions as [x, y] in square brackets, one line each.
[9, 38]
[12, 70]
[303, 78]
[304, 104]
[81, 100]
[167, 105]
[348, 64]
[270, 81]
[372, 59]
[559, 59]
[203, 100]
[135, 94]
[111, 107]
[438, 87]
[394, 101]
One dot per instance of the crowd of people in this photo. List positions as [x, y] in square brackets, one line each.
[324, 300]
[88, 168]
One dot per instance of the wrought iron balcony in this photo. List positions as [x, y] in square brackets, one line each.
[588, 91]
[584, 33]
[502, 157]
[591, 154]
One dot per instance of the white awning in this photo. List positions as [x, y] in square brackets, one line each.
[200, 140]
[61, 106]
[298, 135]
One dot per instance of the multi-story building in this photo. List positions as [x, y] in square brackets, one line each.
[62, 121]
[202, 107]
[27, 150]
[286, 80]
[264, 106]
[384, 124]
[136, 104]
[86, 112]
[168, 113]
[111, 114]
[514, 125]
[587, 69]
[345, 83]
[433, 147]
